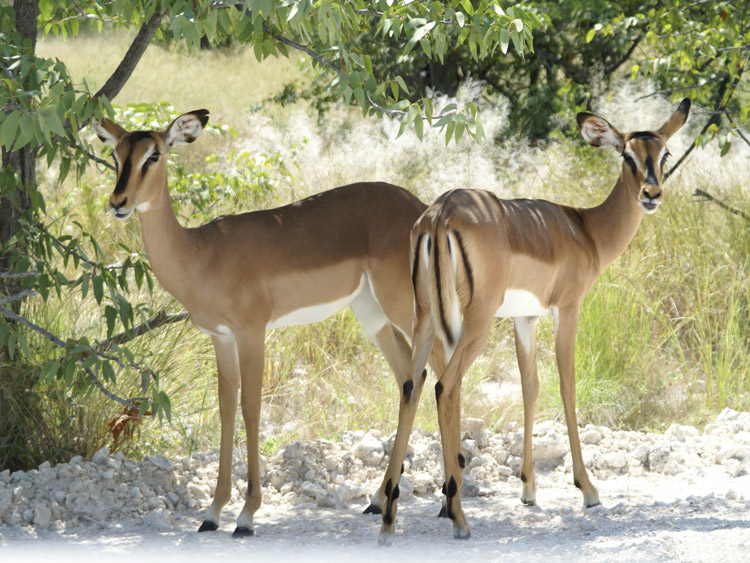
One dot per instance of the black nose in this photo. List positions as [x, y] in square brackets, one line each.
[120, 205]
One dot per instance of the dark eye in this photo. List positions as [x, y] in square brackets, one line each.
[629, 161]
[154, 157]
[664, 158]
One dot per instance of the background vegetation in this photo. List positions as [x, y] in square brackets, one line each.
[664, 335]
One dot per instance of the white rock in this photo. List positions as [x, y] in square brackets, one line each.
[326, 499]
[6, 501]
[591, 435]
[198, 491]
[549, 448]
[42, 516]
[405, 487]
[159, 519]
[349, 490]
[101, 456]
[310, 489]
[681, 432]
[370, 449]
[641, 453]
[616, 460]
[473, 428]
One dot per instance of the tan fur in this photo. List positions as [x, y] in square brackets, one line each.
[551, 251]
[240, 272]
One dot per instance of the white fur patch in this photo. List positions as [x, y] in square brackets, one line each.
[524, 329]
[315, 313]
[521, 303]
[366, 308]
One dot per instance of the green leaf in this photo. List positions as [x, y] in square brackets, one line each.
[504, 40]
[10, 128]
[590, 35]
[517, 41]
[98, 284]
[108, 372]
[110, 313]
[49, 372]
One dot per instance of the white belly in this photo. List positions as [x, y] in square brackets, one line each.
[315, 313]
[521, 303]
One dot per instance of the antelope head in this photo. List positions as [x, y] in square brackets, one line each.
[140, 159]
[644, 153]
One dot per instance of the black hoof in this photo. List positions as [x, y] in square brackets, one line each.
[443, 512]
[241, 532]
[528, 502]
[373, 509]
[208, 526]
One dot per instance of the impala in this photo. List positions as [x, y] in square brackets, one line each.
[242, 275]
[476, 257]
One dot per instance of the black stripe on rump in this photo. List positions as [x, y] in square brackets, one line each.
[438, 285]
[415, 265]
[467, 266]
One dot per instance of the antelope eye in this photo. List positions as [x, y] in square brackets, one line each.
[626, 157]
[154, 157]
[664, 159]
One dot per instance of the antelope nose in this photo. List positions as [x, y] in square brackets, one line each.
[120, 205]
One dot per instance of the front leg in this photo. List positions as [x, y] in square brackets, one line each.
[565, 337]
[251, 346]
[229, 383]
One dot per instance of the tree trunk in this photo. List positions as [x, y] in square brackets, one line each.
[22, 161]
[18, 403]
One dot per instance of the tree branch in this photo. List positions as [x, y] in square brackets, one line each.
[683, 88]
[708, 197]
[17, 296]
[614, 66]
[160, 319]
[721, 103]
[128, 63]
[14, 276]
[55, 340]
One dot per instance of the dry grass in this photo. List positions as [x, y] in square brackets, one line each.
[664, 334]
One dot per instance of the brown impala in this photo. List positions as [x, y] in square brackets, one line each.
[242, 275]
[476, 257]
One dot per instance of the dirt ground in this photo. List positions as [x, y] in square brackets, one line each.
[680, 496]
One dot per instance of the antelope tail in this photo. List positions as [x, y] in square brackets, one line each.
[443, 286]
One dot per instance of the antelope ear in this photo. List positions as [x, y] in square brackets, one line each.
[678, 119]
[598, 132]
[186, 128]
[110, 133]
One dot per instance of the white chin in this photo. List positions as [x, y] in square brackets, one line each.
[121, 213]
[649, 207]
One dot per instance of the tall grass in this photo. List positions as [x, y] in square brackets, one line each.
[664, 335]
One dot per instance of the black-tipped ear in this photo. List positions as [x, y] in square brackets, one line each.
[677, 120]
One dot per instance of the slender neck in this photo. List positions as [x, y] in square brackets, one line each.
[167, 243]
[613, 223]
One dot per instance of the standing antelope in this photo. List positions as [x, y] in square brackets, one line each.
[242, 275]
[476, 257]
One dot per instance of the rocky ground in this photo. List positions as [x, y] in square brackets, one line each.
[682, 495]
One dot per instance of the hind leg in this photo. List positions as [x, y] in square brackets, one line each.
[525, 330]
[476, 328]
